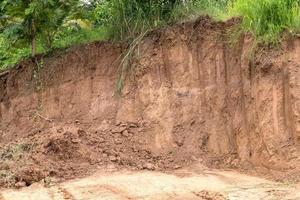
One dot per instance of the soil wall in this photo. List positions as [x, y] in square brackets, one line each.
[192, 97]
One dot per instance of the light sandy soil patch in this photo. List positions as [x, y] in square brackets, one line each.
[147, 185]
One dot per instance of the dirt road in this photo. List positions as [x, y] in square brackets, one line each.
[146, 185]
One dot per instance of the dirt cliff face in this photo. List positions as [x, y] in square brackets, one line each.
[192, 97]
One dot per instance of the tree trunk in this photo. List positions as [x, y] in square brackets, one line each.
[33, 46]
[33, 40]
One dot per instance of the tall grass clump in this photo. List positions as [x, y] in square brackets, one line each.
[217, 9]
[267, 19]
[127, 19]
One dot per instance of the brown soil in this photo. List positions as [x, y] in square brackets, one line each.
[193, 97]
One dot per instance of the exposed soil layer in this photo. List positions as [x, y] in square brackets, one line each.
[192, 97]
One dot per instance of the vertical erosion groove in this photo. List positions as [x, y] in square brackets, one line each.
[287, 104]
[166, 64]
[228, 115]
[225, 62]
[274, 109]
[243, 100]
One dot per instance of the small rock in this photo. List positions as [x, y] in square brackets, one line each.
[101, 140]
[77, 121]
[118, 141]
[123, 125]
[140, 129]
[139, 166]
[133, 125]
[60, 130]
[104, 155]
[135, 149]
[52, 173]
[140, 142]
[149, 166]
[92, 161]
[81, 132]
[125, 133]
[76, 141]
[192, 122]
[118, 130]
[118, 123]
[177, 167]
[113, 158]
[179, 142]
[20, 184]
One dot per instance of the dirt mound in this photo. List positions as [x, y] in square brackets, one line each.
[76, 152]
[191, 97]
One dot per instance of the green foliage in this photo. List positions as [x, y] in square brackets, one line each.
[126, 19]
[38, 26]
[66, 37]
[267, 19]
[24, 22]
[10, 56]
[69, 36]
[193, 9]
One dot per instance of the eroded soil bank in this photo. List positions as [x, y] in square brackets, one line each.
[192, 98]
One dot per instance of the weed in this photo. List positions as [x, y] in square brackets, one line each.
[6, 177]
[126, 65]
[14, 152]
[267, 19]
[10, 158]
[217, 9]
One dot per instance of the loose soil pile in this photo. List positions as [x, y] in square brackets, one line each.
[193, 95]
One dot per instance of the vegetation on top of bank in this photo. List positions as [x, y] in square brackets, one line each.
[267, 19]
[32, 27]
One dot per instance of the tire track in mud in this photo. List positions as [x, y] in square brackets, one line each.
[117, 192]
[58, 192]
[66, 194]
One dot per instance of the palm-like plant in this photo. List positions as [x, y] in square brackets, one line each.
[24, 21]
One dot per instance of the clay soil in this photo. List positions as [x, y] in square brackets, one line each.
[194, 95]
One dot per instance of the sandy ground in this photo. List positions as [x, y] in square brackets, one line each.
[147, 185]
